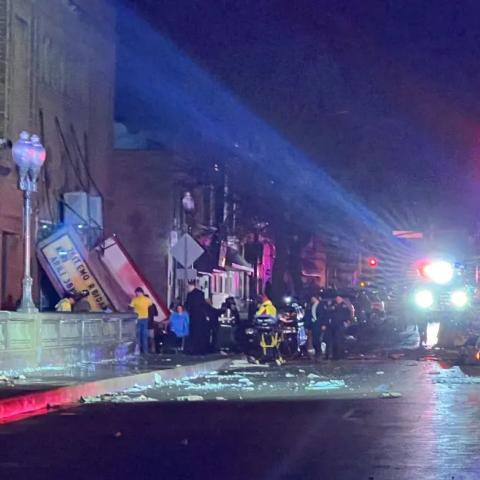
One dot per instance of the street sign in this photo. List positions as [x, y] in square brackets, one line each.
[186, 250]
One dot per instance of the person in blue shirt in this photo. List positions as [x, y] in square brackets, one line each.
[180, 323]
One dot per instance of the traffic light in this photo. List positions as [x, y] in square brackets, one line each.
[372, 262]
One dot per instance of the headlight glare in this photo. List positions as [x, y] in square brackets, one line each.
[459, 299]
[424, 299]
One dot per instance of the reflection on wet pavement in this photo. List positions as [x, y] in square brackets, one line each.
[346, 429]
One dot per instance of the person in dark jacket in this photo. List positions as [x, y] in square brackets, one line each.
[340, 315]
[316, 319]
[153, 327]
[213, 315]
[197, 342]
[82, 304]
[230, 309]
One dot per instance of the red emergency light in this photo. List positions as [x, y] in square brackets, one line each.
[372, 262]
[437, 271]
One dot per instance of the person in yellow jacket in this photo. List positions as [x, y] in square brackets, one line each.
[65, 304]
[266, 308]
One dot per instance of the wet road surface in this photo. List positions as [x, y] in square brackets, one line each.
[284, 431]
[32, 380]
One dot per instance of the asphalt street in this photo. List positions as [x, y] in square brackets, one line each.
[330, 420]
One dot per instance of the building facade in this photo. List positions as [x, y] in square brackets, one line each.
[57, 60]
[144, 192]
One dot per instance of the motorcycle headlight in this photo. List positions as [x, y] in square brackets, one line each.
[459, 299]
[249, 331]
[424, 299]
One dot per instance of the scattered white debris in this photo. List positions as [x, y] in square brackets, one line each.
[390, 395]
[220, 398]
[137, 388]
[116, 398]
[301, 371]
[289, 375]
[380, 372]
[313, 375]
[144, 398]
[246, 381]
[5, 379]
[191, 398]
[326, 385]
[451, 380]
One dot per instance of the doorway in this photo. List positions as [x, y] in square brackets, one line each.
[10, 270]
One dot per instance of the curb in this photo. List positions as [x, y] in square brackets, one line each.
[35, 402]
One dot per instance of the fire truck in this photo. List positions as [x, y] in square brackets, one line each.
[437, 288]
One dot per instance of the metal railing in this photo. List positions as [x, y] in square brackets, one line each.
[63, 338]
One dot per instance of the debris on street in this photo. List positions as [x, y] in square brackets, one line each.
[6, 380]
[116, 398]
[390, 395]
[326, 385]
[190, 398]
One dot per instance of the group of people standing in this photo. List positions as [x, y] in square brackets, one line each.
[326, 323]
[192, 327]
[203, 336]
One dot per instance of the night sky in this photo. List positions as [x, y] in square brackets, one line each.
[381, 94]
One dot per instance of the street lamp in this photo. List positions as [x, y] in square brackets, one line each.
[29, 155]
[188, 204]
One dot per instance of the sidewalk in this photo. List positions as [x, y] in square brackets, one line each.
[41, 389]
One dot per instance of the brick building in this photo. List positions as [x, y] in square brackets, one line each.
[145, 189]
[57, 68]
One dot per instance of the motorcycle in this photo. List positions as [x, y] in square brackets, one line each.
[264, 339]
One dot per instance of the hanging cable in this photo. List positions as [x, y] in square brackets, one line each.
[69, 155]
[83, 159]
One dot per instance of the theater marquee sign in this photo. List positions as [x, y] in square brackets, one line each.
[66, 262]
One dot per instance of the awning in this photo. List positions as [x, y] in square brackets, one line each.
[235, 261]
[213, 259]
